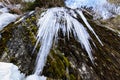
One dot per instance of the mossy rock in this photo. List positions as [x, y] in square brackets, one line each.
[17, 44]
[56, 65]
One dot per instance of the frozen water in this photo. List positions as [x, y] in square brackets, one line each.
[88, 25]
[6, 18]
[8, 71]
[50, 22]
[35, 77]
[4, 10]
[88, 3]
[102, 8]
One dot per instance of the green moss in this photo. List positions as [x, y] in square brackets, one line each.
[6, 35]
[56, 65]
[72, 77]
[31, 28]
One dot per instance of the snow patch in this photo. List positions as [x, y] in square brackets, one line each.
[8, 71]
[6, 18]
[4, 10]
[35, 77]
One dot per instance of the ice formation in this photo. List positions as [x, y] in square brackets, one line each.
[102, 8]
[5, 16]
[8, 71]
[55, 19]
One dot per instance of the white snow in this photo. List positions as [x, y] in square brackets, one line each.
[35, 77]
[4, 10]
[50, 22]
[6, 18]
[102, 8]
[8, 71]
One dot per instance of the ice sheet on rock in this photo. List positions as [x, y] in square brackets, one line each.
[8, 71]
[102, 8]
[6, 18]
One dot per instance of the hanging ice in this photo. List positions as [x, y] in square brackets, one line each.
[50, 23]
[101, 7]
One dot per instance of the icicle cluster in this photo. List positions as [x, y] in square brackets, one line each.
[56, 19]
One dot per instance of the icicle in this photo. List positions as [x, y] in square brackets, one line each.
[45, 36]
[83, 37]
[50, 23]
[88, 25]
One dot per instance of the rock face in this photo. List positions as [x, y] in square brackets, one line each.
[114, 1]
[112, 24]
[16, 45]
[67, 60]
[49, 3]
